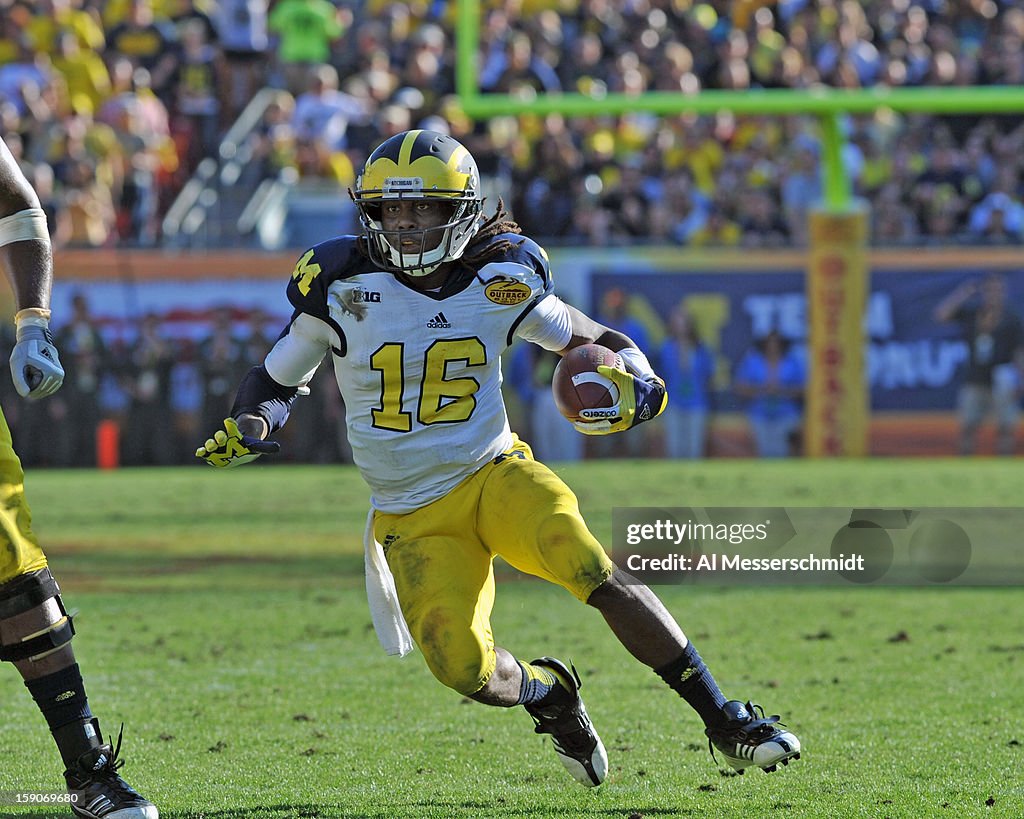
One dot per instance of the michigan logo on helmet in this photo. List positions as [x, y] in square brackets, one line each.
[419, 165]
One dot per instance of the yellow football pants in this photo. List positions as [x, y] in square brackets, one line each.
[19, 551]
[441, 557]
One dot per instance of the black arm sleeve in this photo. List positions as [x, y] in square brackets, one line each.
[261, 395]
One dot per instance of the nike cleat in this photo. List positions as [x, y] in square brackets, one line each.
[576, 742]
[98, 792]
[750, 738]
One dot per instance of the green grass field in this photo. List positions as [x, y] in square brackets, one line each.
[223, 620]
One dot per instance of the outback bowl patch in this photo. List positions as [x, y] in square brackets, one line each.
[507, 293]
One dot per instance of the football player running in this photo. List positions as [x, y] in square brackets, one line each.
[414, 315]
[35, 628]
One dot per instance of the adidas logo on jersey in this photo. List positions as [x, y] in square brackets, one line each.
[439, 322]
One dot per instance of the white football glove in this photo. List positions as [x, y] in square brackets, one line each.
[35, 365]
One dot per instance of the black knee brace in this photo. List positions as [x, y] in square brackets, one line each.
[23, 594]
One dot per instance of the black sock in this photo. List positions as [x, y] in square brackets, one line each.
[61, 699]
[541, 686]
[691, 680]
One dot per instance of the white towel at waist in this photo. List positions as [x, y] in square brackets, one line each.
[382, 596]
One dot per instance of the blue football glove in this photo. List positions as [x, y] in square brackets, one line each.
[639, 400]
[35, 365]
[229, 447]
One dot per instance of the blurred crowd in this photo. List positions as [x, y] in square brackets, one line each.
[145, 393]
[760, 394]
[110, 105]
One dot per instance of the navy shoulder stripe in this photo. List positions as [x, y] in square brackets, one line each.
[321, 266]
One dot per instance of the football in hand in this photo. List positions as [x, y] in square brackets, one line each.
[577, 385]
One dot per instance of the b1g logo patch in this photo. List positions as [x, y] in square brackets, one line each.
[507, 293]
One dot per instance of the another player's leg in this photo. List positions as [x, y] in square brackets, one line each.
[740, 732]
[35, 635]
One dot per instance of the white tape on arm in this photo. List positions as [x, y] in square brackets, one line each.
[32, 317]
[24, 225]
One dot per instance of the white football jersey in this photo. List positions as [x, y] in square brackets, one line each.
[420, 372]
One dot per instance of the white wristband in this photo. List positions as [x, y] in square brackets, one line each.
[24, 225]
[636, 362]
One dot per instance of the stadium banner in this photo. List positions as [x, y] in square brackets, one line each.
[836, 418]
[912, 363]
[186, 291]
